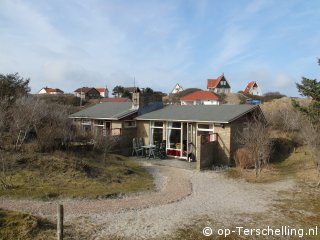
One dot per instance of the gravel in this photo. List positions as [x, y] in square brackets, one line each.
[182, 196]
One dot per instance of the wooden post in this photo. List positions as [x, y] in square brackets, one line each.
[60, 222]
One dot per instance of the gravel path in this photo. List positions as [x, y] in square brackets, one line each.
[182, 196]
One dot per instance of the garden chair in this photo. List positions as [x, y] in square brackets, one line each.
[136, 148]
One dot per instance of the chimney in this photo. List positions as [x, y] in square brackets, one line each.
[135, 100]
[146, 102]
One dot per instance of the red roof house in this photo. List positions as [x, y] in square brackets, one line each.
[47, 90]
[104, 92]
[87, 93]
[219, 85]
[253, 89]
[200, 98]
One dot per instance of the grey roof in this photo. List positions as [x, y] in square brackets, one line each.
[106, 110]
[199, 113]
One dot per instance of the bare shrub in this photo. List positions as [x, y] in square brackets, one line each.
[282, 116]
[311, 136]
[243, 158]
[55, 130]
[104, 144]
[255, 138]
[25, 114]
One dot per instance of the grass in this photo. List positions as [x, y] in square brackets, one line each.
[71, 175]
[298, 165]
[14, 225]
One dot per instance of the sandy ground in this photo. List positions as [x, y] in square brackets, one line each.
[182, 196]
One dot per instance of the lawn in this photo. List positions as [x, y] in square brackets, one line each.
[73, 175]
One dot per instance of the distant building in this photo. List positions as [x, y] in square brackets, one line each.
[104, 92]
[200, 98]
[47, 90]
[253, 89]
[177, 88]
[219, 85]
[87, 93]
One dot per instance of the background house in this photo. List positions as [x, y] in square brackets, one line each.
[47, 90]
[104, 92]
[87, 93]
[177, 88]
[219, 85]
[200, 98]
[253, 89]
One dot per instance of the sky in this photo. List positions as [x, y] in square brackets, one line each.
[69, 44]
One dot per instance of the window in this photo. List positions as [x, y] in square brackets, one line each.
[205, 127]
[129, 124]
[156, 132]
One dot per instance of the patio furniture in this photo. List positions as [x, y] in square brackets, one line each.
[150, 149]
[136, 148]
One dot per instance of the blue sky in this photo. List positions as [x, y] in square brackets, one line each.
[68, 44]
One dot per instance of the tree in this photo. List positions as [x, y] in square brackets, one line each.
[255, 139]
[118, 91]
[148, 90]
[311, 132]
[126, 94]
[12, 86]
[310, 88]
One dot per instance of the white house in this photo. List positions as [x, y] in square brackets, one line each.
[47, 90]
[200, 98]
[219, 85]
[104, 92]
[253, 89]
[177, 88]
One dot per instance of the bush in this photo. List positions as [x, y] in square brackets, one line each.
[243, 158]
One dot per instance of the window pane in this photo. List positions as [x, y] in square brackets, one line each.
[176, 125]
[157, 135]
[158, 124]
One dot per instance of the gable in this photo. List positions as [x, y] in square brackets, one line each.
[220, 82]
[223, 83]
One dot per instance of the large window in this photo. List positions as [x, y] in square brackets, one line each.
[174, 135]
[156, 132]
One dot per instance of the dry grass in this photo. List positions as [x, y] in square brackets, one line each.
[299, 165]
[85, 175]
[14, 225]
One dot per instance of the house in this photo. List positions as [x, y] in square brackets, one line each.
[116, 118]
[177, 88]
[200, 98]
[219, 85]
[104, 92]
[209, 132]
[253, 89]
[87, 93]
[117, 99]
[106, 118]
[206, 133]
[47, 90]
